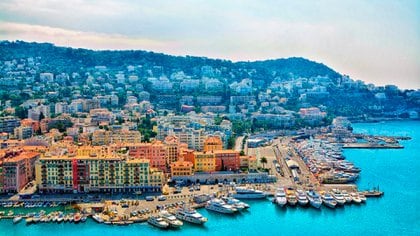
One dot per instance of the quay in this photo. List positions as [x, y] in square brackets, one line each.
[373, 145]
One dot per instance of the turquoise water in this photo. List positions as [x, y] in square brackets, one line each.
[397, 213]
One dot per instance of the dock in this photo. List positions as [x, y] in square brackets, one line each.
[373, 145]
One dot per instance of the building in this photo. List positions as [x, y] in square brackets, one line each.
[18, 171]
[248, 163]
[96, 174]
[104, 137]
[23, 132]
[227, 160]
[182, 168]
[8, 124]
[155, 152]
[204, 162]
[213, 143]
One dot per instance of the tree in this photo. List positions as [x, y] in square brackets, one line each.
[263, 161]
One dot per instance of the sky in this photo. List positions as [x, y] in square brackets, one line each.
[377, 41]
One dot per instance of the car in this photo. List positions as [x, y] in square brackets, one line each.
[150, 198]
[161, 198]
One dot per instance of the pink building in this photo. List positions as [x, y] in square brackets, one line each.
[155, 152]
[18, 171]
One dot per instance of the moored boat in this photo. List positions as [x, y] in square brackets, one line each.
[158, 222]
[301, 197]
[97, 218]
[314, 199]
[190, 215]
[235, 203]
[248, 193]
[329, 200]
[220, 206]
[17, 219]
[170, 219]
[280, 197]
[291, 197]
[356, 198]
[339, 198]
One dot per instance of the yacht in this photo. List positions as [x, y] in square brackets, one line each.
[170, 219]
[158, 222]
[248, 193]
[346, 196]
[17, 219]
[329, 200]
[219, 205]
[235, 203]
[339, 198]
[291, 197]
[280, 197]
[356, 198]
[190, 215]
[301, 197]
[362, 197]
[314, 199]
[98, 218]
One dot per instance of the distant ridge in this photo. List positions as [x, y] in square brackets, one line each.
[70, 59]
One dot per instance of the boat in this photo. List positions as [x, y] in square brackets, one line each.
[17, 219]
[280, 197]
[356, 198]
[190, 215]
[329, 200]
[291, 197]
[29, 220]
[346, 196]
[158, 222]
[314, 199]
[77, 217]
[83, 218]
[10, 213]
[339, 198]
[248, 193]
[362, 197]
[301, 197]
[235, 203]
[60, 217]
[170, 219]
[220, 206]
[97, 218]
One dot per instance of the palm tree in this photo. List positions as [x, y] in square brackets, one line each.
[263, 161]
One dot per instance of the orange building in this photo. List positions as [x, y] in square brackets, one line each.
[213, 143]
[154, 151]
[181, 168]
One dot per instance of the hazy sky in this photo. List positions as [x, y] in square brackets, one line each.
[375, 41]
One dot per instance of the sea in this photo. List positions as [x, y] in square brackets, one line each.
[395, 171]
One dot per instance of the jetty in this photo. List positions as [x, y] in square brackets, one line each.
[373, 145]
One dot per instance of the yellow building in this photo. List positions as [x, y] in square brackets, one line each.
[204, 162]
[104, 137]
[248, 162]
[96, 173]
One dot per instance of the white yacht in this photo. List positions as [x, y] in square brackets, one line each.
[280, 197]
[170, 219]
[346, 196]
[301, 197]
[158, 222]
[339, 197]
[362, 197]
[17, 219]
[356, 198]
[98, 218]
[314, 199]
[219, 205]
[291, 197]
[248, 193]
[235, 203]
[190, 215]
[329, 200]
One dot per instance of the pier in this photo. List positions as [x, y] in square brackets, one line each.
[373, 145]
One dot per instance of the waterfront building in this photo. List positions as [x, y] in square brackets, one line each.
[96, 173]
[18, 170]
[227, 160]
[182, 168]
[204, 162]
[248, 162]
[173, 148]
[155, 152]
